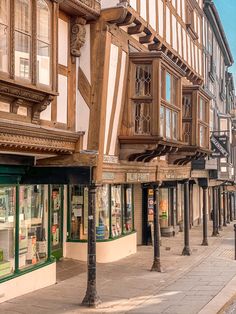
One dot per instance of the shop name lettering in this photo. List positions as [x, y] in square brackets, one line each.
[174, 175]
[137, 177]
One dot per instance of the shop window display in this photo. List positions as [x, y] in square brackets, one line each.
[102, 215]
[79, 212]
[116, 212]
[128, 210]
[32, 225]
[7, 229]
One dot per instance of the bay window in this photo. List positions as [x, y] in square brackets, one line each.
[203, 124]
[154, 99]
[25, 34]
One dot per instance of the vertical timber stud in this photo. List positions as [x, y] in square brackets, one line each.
[91, 298]
[204, 210]
[156, 266]
[186, 250]
[224, 208]
[214, 216]
[220, 210]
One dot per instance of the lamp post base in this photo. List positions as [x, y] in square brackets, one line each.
[186, 251]
[156, 266]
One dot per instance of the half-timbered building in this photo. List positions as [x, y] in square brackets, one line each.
[43, 156]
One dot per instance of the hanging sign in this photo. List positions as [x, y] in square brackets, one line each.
[219, 146]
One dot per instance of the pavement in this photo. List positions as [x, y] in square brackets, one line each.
[201, 283]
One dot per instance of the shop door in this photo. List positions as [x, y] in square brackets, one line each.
[57, 221]
[147, 216]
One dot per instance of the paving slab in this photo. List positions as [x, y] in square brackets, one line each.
[192, 284]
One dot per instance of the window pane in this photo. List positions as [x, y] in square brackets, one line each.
[4, 29]
[174, 125]
[174, 91]
[7, 229]
[142, 118]
[202, 110]
[168, 123]
[43, 43]
[168, 87]
[143, 80]
[162, 83]
[43, 21]
[102, 217]
[187, 106]
[22, 55]
[23, 16]
[162, 120]
[128, 210]
[3, 48]
[33, 225]
[202, 136]
[43, 63]
[116, 211]
[79, 212]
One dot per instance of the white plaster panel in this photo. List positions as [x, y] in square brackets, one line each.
[200, 61]
[152, 13]
[196, 58]
[62, 42]
[46, 114]
[84, 60]
[133, 4]
[82, 118]
[174, 33]
[168, 39]
[183, 9]
[118, 106]
[111, 87]
[37, 279]
[160, 18]
[107, 252]
[180, 40]
[184, 44]
[143, 9]
[179, 8]
[62, 99]
[109, 3]
[189, 51]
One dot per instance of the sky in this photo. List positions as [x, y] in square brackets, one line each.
[227, 12]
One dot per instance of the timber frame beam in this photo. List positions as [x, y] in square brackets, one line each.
[136, 25]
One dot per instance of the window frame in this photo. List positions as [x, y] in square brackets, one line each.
[32, 81]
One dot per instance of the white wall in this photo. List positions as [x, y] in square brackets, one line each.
[109, 3]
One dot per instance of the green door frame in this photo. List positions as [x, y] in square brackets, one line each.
[57, 253]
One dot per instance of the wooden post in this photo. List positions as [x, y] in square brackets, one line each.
[204, 210]
[186, 250]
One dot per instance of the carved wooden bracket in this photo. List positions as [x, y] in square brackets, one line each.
[39, 107]
[78, 33]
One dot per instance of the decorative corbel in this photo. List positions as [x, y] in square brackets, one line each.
[15, 105]
[39, 107]
[77, 39]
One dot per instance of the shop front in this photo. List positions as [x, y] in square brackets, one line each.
[31, 226]
[115, 233]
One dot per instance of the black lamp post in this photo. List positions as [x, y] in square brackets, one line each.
[186, 249]
[91, 298]
[156, 266]
[204, 210]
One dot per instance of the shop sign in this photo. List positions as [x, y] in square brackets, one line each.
[199, 174]
[173, 174]
[219, 146]
[110, 159]
[137, 177]
[108, 176]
